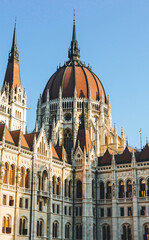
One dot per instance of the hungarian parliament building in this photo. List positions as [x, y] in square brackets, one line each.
[73, 177]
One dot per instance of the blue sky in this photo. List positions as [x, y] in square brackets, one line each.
[113, 37]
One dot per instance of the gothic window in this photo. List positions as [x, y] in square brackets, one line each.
[79, 189]
[106, 232]
[121, 189]
[22, 180]
[70, 189]
[44, 180]
[23, 226]
[67, 231]
[58, 186]
[53, 184]
[12, 175]
[142, 192]
[55, 229]
[6, 225]
[66, 187]
[126, 232]
[40, 228]
[109, 190]
[129, 189]
[6, 172]
[68, 141]
[93, 189]
[67, 117]
[27, 179]
[102, 190]
[78, 231]
[146, 232]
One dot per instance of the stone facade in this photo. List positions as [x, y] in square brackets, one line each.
[73, 177]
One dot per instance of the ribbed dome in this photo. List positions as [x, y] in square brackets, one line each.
[74, 74]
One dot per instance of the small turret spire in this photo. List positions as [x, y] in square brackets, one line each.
[74, 51]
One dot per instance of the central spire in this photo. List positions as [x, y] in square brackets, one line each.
[14, 53]
[74, 51]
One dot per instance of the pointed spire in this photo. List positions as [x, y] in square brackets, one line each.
[74, 51]
[14, 53]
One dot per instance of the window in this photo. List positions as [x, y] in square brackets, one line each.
[129, 211]
[40, 206]
[65, 210]
[26, 203]
[39, 228]
[106, 232]
[78, 231]
[143, 211]
[129, 189]
[44, 180]
[6, 225]
[4, 199]
[142, 192]
[67, 231]
[94, 212]
[102, 191]
[23, 226]
[12, 175]
[102, 212]
[58, 186]
[66, 187]
[80, 211]
[79, 189]
[6, 172]
[68, 142]
[70, 189]
[53, 184]
[21, 203]
[55, 229]
[11, 201]
[121, 189]
[69, 211]
[22, 177]
[126, 232]
[146, 232]
[57, 208]
[27, 179]
[109, 190]
[109, 212]
[122, 212]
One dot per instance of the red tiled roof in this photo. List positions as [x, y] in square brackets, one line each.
[145, 153]
[61, 152]
[8, 137]
[30, 139]
[84, 138]
[15, 135]
[12, 75]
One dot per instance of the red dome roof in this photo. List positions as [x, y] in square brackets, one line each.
[74, 74]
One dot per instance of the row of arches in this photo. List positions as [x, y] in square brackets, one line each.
[43, 181]
[3, 108]
[10, 172]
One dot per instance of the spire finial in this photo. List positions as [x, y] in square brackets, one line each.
[14, 53]
[74, 16]
[74, 52]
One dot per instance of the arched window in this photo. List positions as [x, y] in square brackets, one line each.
[126, 232]
[146, 231]
[58, 186]
[67, 231]
[142, 192]
[93, 189]
[106, 232]
[129, 189]
[44, 180]
[78, 231]
[27, 179]
[70, 189]
[12, 175]
[22, 177]
[121, 189]
[23, 226]
[40, 228]
[102, 190]
[53, 184]
[6, 228]
[68, 142]
[66, 187]
[79, 189]
[55, 229]
[6, 173]
[109, 190]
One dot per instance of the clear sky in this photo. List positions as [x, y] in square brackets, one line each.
[113, 37]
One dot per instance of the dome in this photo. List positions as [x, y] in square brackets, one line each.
[74, 75]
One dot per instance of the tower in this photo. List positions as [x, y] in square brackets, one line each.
[12, 97]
